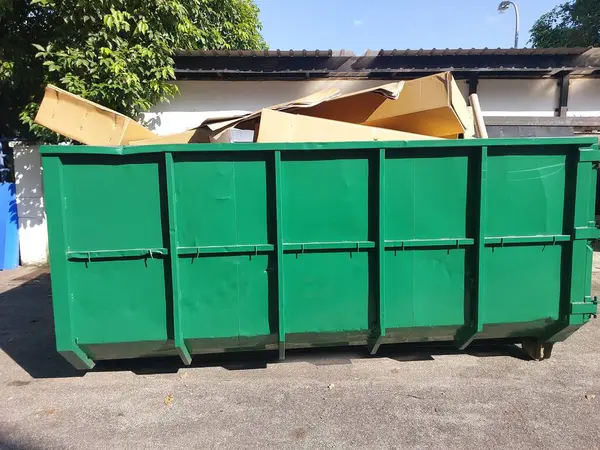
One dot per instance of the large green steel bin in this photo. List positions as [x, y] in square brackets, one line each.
[203, 248]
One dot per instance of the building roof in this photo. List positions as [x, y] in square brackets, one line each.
[268, 53]
[480, 51]
[386, 64]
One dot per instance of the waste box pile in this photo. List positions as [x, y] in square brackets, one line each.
[430, 107]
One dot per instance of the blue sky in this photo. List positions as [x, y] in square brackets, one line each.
[359, 25]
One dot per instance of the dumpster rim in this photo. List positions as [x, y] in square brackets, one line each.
[126, 150]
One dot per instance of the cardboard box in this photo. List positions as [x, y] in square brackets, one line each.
[276, 126]
[211, 130]
[353, 105]
[87, 122]
[430, 105]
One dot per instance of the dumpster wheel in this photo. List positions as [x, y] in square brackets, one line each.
[537, 350]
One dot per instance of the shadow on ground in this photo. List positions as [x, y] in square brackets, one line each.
[27, 328]
[324, 356]
[7, 443]
[27, 336]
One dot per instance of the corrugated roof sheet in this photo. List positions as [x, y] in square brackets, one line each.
[328, 53]
[479, 51]
[269, 53]
[298, 64]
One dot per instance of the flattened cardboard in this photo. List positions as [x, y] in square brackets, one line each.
[355, 107]
[329, 98]
[211, 129]
[430, 105]
[304, 102]
[87, 122]
[276, 126]
[193, 136]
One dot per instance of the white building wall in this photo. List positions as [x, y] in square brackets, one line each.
[534, 98]
[584, 97]
[33, 233]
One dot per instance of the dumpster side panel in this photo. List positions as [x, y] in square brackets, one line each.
[522, 283]
[413, 299]
[113, 204]
[327, 206]
[226, 296]
[113, 218]
[426, 194]
[426, 234]
[326, 292]
[526, 192]
[525, 235]
[225, 256]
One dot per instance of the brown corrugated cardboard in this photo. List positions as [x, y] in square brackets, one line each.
[185, 137]
[193, 136]
[304, 102]
[211, 129]
[351, 107]
[278, 126]
[430, 105]
[87, 122]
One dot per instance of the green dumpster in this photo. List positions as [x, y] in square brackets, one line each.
[204, 248]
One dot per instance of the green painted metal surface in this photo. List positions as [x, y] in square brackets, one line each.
[201, 248]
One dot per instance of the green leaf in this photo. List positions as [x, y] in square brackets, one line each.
[118, 53]
[575, 23]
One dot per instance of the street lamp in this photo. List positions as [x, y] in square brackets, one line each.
[505, 6]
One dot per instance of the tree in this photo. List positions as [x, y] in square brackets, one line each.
[575, 23]
[118, 53]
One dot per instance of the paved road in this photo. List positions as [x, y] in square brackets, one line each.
[490, 398]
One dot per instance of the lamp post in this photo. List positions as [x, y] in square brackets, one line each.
[505, 6]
